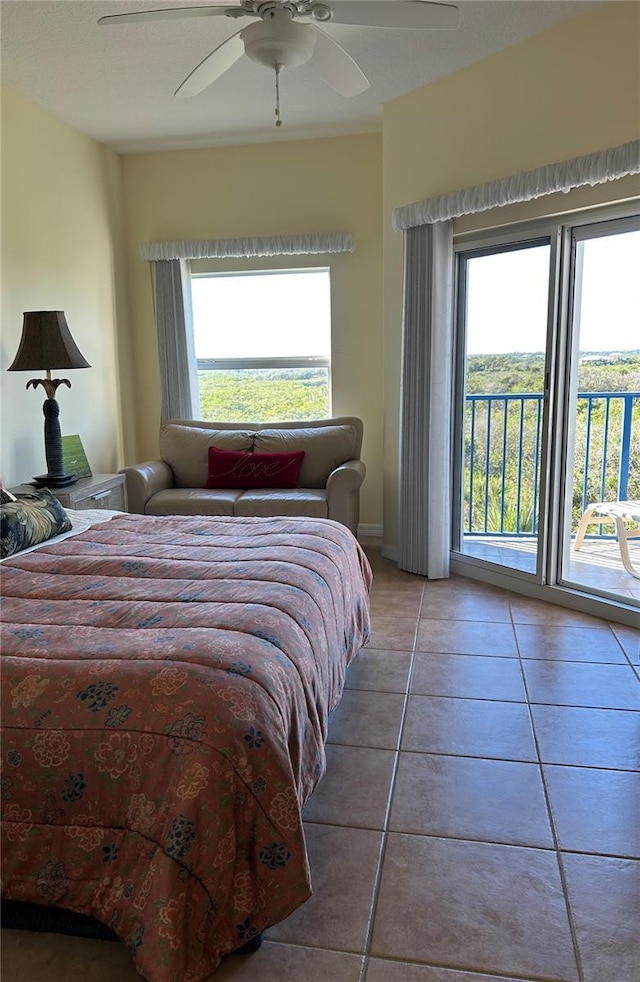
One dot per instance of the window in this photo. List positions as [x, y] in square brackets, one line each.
[263, 344]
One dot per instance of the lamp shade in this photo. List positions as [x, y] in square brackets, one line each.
[46, 343]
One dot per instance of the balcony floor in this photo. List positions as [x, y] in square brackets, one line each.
[597, 565]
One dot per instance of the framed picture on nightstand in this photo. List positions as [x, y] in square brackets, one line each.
[74, 458]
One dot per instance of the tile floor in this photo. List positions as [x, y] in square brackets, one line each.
[480, 816]
[597, 566]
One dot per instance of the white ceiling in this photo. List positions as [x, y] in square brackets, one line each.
[116, 83]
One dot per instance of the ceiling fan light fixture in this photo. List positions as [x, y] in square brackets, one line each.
[278, 41]
[321, 12]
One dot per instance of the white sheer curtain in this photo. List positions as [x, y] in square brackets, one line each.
[424, 520]
[176, 349]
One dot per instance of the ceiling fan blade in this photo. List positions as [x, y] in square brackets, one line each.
[172, 13]
[213, 66]
[337, 67]
[395, 13]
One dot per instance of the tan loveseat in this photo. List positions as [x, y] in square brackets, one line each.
[330, 474]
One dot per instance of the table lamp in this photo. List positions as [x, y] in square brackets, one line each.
[46, 343]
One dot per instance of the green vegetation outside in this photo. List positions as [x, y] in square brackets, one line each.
[501, 474]
[264, 395]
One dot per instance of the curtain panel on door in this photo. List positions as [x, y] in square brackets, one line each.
[425, 402]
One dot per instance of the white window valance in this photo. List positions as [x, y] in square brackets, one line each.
[593, 168]
[276, 245]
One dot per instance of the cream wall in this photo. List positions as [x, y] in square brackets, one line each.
[568, 91]
[61, 250]
[271, 189]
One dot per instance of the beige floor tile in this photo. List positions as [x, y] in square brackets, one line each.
[466, 606]
[463, 587]
[468, 727]
[380, 669]
[385, 571]
[605, 902]
[31, 956]
[468, 676]
[384, 970]
[595, 810]
[466, 638]
[395, 582]
[525, 610]
[275, 962]
[471, 798]
[343, 864]
[393, 632]
[403, 602]
[556, 641]
[355, 789]
[367, 719]
[604, 738]
[475, 906]
[629, 640]
[564, 683]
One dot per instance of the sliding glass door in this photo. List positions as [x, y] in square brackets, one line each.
[503, 319]
[547, 406]
[602, 463]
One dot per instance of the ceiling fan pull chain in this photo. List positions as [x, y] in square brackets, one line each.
[278, 120]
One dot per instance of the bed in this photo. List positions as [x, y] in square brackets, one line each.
[167, 684]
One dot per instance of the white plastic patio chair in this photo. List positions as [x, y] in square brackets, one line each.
[618, 512]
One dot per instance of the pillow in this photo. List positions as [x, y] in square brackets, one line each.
[32, 518]
[237, 469]
[6, 496]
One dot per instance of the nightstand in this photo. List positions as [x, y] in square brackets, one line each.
[100, 491]
[106, 491]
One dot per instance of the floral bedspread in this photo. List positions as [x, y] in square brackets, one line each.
[166, 687]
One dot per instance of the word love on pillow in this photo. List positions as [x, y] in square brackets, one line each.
[238, 469]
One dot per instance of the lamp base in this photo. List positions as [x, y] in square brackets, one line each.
[54, 481]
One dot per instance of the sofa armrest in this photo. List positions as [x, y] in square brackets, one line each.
[144, 480]
[343, 493]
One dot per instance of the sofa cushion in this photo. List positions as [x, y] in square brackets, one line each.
[192, 501]
[305, 502]
[186, 448]
[236, 469]
[326, 447]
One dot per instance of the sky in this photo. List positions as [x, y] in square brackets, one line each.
[507, 298]
[281, 314]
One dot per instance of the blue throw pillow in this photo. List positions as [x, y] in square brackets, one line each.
[33, 517]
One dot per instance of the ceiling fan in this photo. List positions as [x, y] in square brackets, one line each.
[281, 39]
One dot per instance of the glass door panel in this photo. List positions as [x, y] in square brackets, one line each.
[503, 317]
[602, 463]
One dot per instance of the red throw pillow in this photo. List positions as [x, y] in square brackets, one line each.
[239, 469]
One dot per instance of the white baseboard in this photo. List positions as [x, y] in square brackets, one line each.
[390, 552]
[372, 530]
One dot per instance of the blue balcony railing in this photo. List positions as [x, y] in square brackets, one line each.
[503, 437]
